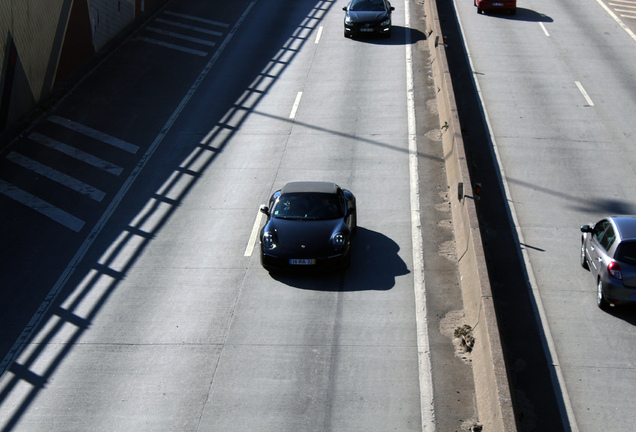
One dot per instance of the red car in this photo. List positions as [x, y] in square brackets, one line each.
[496, 5]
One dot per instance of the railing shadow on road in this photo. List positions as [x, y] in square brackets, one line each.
[65, 316]
[522, 14]
[375, 264]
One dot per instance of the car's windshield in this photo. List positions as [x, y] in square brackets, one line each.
[367, 5]
[308, 206]
[626, 252]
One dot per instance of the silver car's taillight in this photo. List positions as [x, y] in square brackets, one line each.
[614, 270]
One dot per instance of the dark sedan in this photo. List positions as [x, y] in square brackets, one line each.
[309, 225]
[368, 17]
[608, 250]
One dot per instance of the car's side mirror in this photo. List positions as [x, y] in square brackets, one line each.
[265, 210]
[587, 229]
[344, 8]
[392, 8]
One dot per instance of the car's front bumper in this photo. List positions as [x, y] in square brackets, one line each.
[337, 261]
[367, 29]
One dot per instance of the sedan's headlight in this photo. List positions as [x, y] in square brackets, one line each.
[338, 241]
[386, 22]
[348, 20]
[269, 241]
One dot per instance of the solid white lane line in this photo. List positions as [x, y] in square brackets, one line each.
[252, 241]
[585, 95]
[292, 114]
[100, 136]
[76, 153]
[419, 283]
[56, 176]
[42, 207]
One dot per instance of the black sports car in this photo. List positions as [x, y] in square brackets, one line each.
[309, 225]
[368, 17]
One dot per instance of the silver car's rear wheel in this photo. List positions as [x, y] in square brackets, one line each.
[600, 299]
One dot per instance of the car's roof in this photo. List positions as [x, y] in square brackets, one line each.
[626, 226]
[310, 187]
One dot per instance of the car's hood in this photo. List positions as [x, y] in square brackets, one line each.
[305, 238]
[367, 16]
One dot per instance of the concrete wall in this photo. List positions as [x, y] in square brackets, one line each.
[494, 402]
[43, 42]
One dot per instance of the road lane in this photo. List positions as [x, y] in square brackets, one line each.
[169, 323]
[560, 102]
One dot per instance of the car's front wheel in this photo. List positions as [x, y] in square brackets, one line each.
[600, 299]
[583, 260]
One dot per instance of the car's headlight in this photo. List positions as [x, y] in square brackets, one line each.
[386, 22]
[348, 20]
[269, 241]
[338, 241]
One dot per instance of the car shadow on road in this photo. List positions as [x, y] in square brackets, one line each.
[522, 14]
[607, 206]
[375, 264]
[625, 312]
[398, 37]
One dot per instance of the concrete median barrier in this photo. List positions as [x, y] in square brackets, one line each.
[494, 401]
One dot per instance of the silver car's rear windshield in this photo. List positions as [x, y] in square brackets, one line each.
[308, 206]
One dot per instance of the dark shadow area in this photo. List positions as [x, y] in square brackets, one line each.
[398, 37]
[625, 312]
[522, 14]
[375, 264]
[170, 173]
[607, 206]
[536, 397]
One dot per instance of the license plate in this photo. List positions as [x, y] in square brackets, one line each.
[364, 29]
[302, 261]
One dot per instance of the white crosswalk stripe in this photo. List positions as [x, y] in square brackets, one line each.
[193, 18]
[85, 130]
[624, 8]
[76, 153]
[45, 168]
[173, 46]
[185, 33]
[189, 27]
[56, 176]
[41, 206]
[181, 36]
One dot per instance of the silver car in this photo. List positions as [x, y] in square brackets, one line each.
[608, 250]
